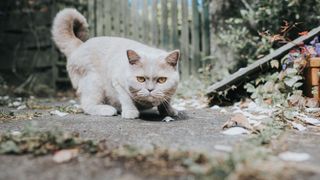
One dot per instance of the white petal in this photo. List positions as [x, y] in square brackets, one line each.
[235, 131]
[293, 156]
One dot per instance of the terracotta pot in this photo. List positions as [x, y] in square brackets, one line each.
[311, 75]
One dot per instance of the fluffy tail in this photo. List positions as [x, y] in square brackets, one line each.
[69, 31]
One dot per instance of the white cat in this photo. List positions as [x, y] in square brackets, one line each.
[115, 74]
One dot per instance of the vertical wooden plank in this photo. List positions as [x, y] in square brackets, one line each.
[116, 17]
[164, 24]
[195, 33]
[107, 18]
[140, 19]
[100, 17]
[146, 22]
[122, 10]
[185, 62]
[127, 19]
[92, 17]
[54, 59]
[174, 25]
[155, 24]
[134, 19]
[205, 28]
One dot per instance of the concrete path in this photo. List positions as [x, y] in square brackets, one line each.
[196, 130]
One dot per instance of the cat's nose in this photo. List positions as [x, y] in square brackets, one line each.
[150, 89]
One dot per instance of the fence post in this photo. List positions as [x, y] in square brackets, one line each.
[116, 17]
[146, 24]
[195, 38]
[92, 17]
[205, 28]
[185, 62]
[174, 25]
[100, 17]
[135, 19]
[164, 23]
[155, 26]
[127, 18]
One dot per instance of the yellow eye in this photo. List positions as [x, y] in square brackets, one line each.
[141, 79]
[162, 80]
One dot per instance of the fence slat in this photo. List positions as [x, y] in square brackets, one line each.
[127, 18]
[164, 24]
[122, 8]
[195, 38]
[116, 17]
[107, 18]
[185, 65]
[155, 25]
[205, 28]
[174, 25]
[135, 19]
[100, 17]
[92, 17]
[145, 26]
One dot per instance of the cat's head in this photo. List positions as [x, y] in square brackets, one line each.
[153, 78]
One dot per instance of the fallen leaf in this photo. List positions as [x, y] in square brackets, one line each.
[235, 131]
[251, 116]
[303, 33]
[293, 156]
[308, 120]
[312, 110]
[65, 155]
[297, 126]
[21, 107]
[58, 113]
[238, 120]
[312, 103]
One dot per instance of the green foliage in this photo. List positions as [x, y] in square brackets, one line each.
[277, 87]
[240, 32]
[33, 141]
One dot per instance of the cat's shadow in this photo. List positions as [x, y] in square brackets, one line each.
[153, 115]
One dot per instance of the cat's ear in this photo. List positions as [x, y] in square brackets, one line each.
[133, 57]
[173, 58]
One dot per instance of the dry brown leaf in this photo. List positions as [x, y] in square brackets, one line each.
[238, 120]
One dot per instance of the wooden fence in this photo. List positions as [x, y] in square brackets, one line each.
[167, 24]
[28, 52]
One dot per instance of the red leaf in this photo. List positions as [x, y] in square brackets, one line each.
[304, 33]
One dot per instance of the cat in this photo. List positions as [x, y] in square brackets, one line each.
[113, 74]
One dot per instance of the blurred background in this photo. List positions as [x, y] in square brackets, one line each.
[216, 37]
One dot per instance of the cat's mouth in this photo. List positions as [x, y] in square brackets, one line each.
[149, 99]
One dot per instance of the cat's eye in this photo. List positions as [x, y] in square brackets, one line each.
[161, 80]
[141, 79]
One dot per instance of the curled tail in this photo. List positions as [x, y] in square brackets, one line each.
[69, 30]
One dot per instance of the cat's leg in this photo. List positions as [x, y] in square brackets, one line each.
[128, 109]
[92, 95]
[166, 109]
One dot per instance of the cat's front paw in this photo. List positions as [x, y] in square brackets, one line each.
[172, 112]
[130, 114]
[169, 111]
